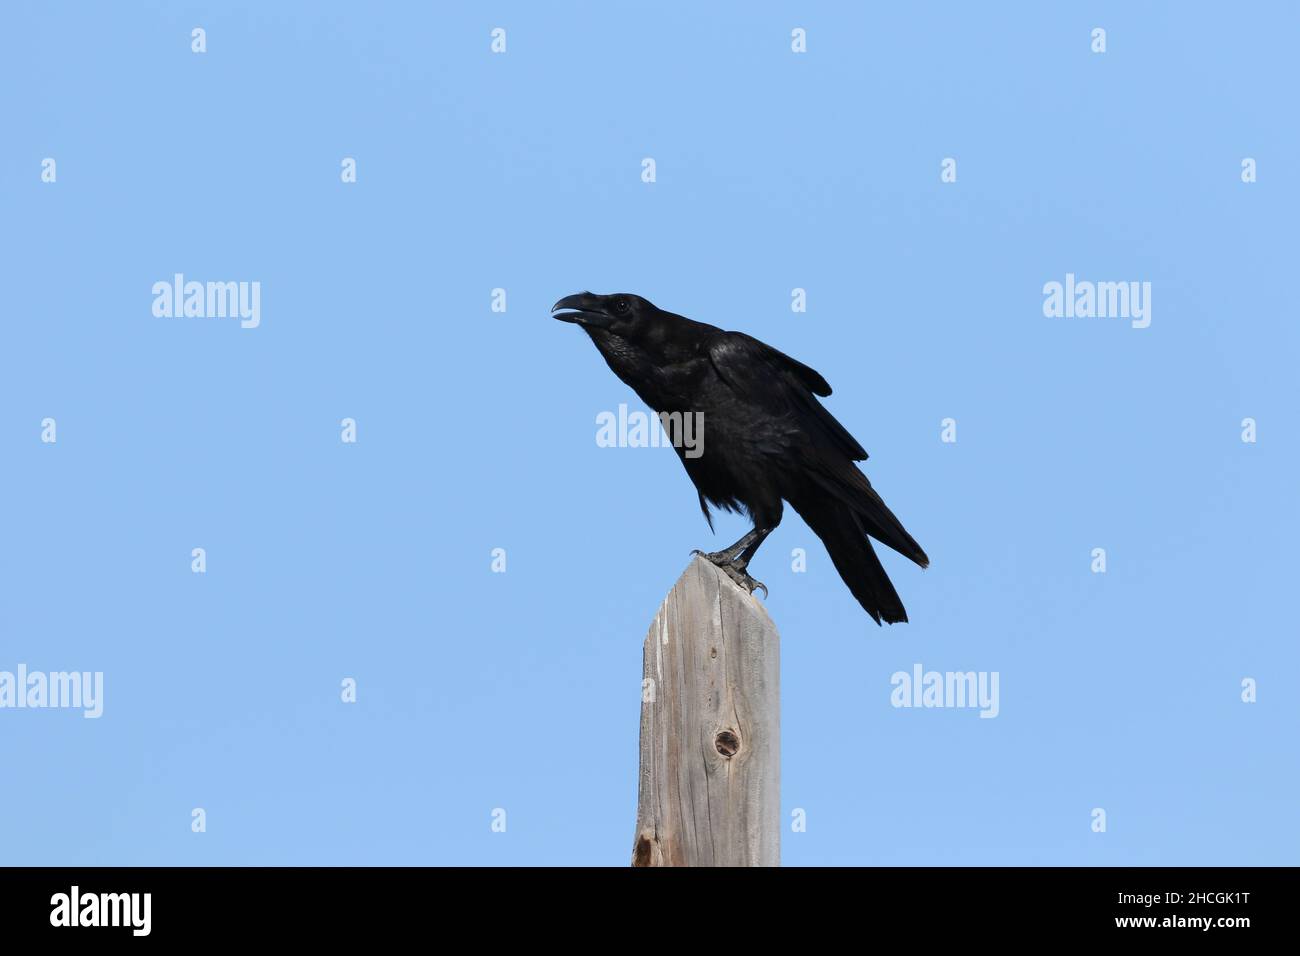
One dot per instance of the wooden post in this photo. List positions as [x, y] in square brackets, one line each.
[710, 792]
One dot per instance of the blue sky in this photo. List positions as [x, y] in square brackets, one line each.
[476, 430]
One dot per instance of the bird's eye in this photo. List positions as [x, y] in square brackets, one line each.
[621, 306]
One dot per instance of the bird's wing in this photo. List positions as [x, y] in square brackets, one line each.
[744, 346]
[772, 380]
[763, 378]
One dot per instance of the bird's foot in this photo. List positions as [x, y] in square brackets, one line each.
[736, 570]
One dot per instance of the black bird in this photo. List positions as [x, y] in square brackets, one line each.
[766, 437]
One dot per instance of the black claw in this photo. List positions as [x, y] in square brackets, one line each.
[736, 570]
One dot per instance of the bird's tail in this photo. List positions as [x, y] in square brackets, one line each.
[843, 527]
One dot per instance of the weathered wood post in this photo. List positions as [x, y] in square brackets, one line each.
[710, 785]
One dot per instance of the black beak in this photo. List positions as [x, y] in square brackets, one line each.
[582, 308]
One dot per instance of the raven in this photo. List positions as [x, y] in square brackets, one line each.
[767, 438]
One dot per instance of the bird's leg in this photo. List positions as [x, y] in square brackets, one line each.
[734, 560]
[733, 553]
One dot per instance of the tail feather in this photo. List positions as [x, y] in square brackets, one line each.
[852, 489]
[842, 531]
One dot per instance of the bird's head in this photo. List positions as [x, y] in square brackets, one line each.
[623, 314]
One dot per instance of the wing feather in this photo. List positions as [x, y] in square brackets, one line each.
[760, 374]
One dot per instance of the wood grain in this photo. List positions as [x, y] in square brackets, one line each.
[709, 791]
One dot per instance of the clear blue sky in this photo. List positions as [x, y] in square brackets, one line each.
[476, 430]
